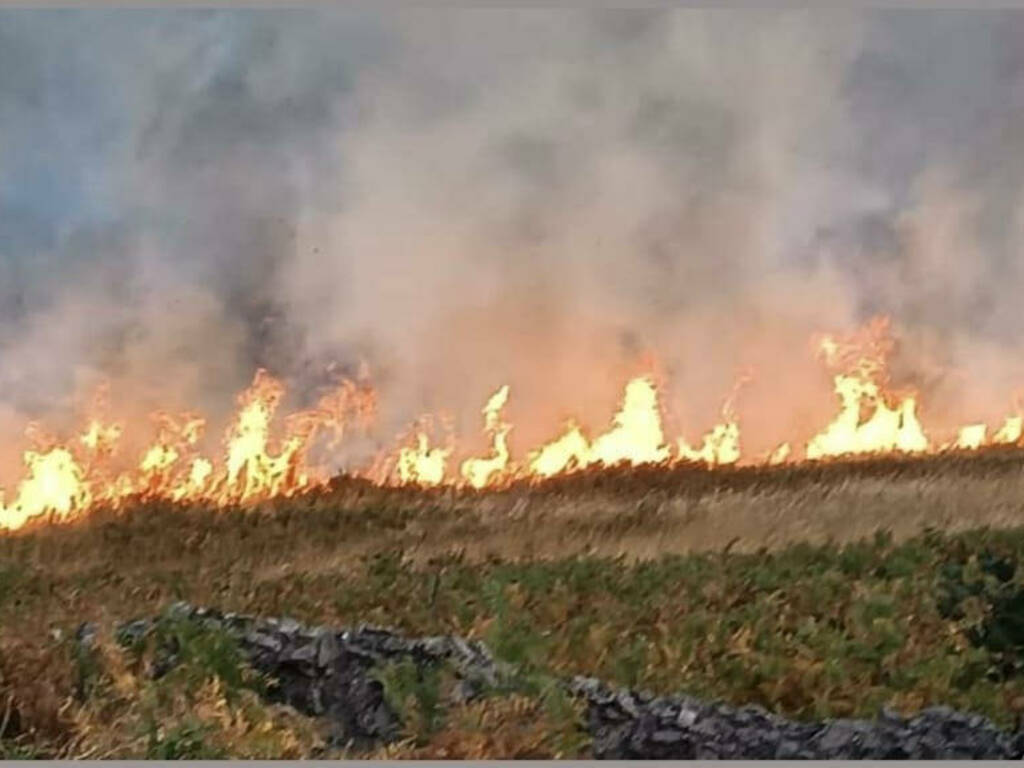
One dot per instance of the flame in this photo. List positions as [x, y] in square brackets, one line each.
[422, 464]
[636, 437]
[101, 439]
[893, 424]
[721, 446]
[1010, 432]
[971, 437]
[66, 485]
[570, 451]
[779, 455]
[252, 471]
[478, 472]
[260, 460]
[54, 484]
[198, 475]
[888, 429]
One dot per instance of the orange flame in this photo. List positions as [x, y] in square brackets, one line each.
[64, 481]
[636, 437]
[60, 483]
[478, 472]
[422, 464]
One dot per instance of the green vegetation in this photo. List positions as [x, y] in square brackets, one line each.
[414, 693]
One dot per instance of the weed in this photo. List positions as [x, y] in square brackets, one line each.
[413, 691]
[200, 653]
[183, 742]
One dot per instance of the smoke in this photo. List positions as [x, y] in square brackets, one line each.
[544, 198]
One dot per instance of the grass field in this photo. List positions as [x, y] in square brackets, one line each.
[817, 590]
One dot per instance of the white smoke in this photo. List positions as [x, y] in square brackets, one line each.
[540, 198]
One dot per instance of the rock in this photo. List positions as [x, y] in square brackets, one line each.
[627, 704]
[289, 626]
[327, 649]
[686, 718]
[302, 658]
[264, 641]
[712, 731]
[666, 737]
[836, 737]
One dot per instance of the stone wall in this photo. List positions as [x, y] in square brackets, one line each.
[327, 673]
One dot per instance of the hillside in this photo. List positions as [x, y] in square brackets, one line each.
[817, 591]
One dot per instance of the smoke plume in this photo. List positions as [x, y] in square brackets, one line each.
[462, 199]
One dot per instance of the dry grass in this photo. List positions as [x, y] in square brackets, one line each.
[640, 513]
[514, 727]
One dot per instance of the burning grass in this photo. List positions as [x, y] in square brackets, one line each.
[757, 585]
[80, 477]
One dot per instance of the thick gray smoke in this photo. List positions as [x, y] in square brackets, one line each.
[468, 198]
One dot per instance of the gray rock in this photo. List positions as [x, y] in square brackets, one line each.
[327, 649]
[836, 736]
[265, 641]
[289, 626]
[686, 718]
[667, 737]
[627, 703]
[303, 654]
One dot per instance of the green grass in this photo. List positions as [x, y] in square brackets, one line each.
[807, 631]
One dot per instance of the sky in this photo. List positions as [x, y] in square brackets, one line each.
[464, 198]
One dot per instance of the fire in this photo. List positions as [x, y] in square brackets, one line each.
[478, 472]
[721, 446]
[422, 464]
[260, 460]
[971, 437]
[636, 437]
[570, 451]
[861, 387]
[197, 476]
[890, 428]
[54, 484]
[66, 482]
[251, 469]
[99, 438]
[1010, 432]
[779, 455]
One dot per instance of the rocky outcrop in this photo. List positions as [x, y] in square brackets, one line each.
[630, 725]
[327, 673]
